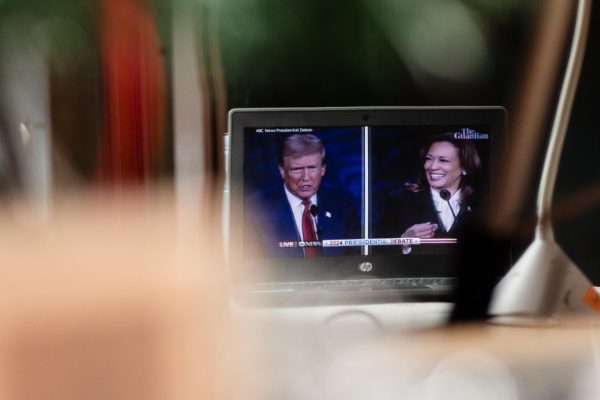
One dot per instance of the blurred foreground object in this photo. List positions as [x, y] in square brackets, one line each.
[110, 300]
[358, 352]
[135, 85]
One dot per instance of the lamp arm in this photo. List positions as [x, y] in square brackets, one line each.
[561, 121]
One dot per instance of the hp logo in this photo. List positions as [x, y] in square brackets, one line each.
[365, 266]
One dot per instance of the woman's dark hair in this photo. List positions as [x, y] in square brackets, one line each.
[467, 155]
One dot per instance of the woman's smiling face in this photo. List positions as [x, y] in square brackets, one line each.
[442, 166]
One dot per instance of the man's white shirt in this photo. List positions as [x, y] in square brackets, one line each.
[298, 208]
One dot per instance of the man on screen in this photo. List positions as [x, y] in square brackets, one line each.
[302, 209]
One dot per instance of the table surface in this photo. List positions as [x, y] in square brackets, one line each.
[407, 351]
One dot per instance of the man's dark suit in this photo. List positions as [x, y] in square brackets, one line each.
[270, 220]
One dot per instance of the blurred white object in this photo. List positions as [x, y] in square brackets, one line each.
[26, 105]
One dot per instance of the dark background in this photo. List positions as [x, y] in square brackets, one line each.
[293, 53]
[415, 53]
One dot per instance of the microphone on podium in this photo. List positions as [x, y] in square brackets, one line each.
[445, 195]
[313, 210]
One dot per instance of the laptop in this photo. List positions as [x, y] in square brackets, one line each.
[354, 205]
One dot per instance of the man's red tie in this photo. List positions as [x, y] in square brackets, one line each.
[308, 230]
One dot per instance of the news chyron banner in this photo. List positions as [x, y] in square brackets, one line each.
[366, 242]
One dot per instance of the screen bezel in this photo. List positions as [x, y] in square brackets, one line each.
[335, 268]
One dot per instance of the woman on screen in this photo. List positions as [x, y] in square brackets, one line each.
[441, 201]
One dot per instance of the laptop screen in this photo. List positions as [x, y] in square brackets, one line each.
[321, 194]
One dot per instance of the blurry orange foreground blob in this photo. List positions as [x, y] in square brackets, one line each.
[110, 300]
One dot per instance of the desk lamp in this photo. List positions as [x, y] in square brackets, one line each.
[544, 284]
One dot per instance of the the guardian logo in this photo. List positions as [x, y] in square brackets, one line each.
[467, 133]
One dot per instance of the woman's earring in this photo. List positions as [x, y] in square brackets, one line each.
[464, 172]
